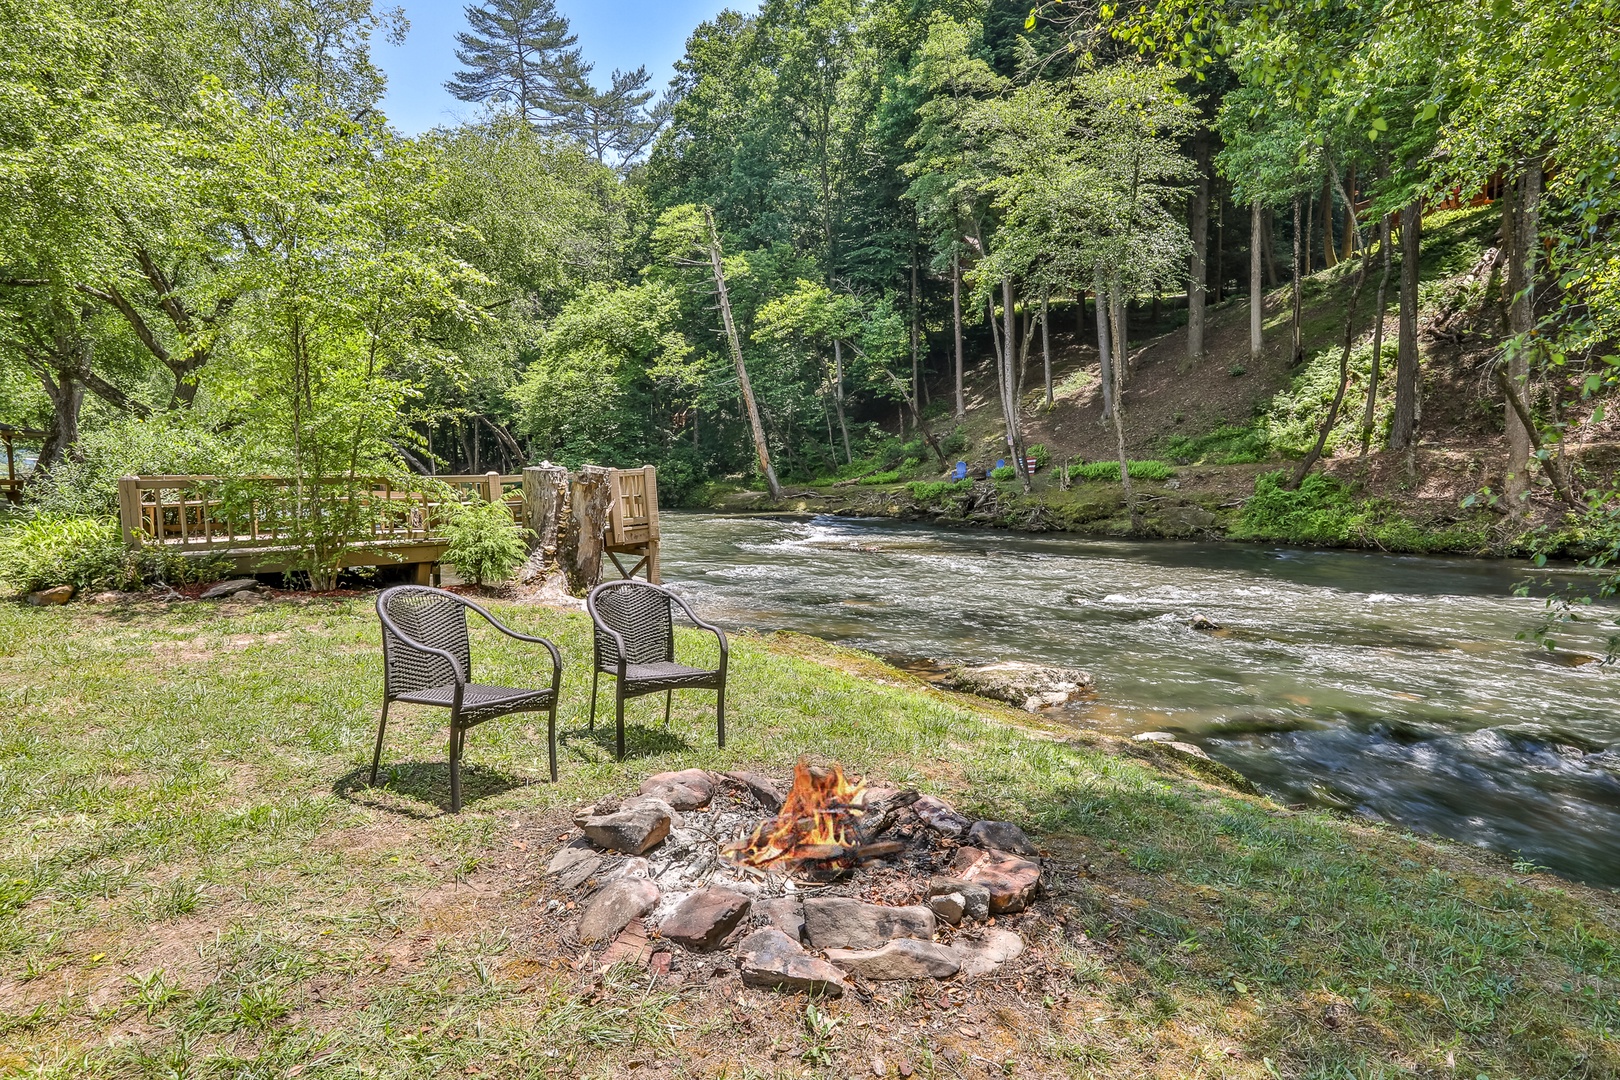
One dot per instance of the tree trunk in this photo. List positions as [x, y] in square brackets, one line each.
[1315, 454]
[760, 449]
[956, 325]
[1310, 236]
[916, 335]
[1257, 296]
[1371, 413]
[1521, 199]
[1217, 268]
[1105, 350]
[1267, 248]
[66, 394]
[1046, 346]
[838, 397]
[1298, 352]
[1116, 310]
[1079, 315]
[1330, 256]
[581, 551]
[1197, 268]
[1408, 399]
[1009, 394]
[544, 496]
[1351, 239]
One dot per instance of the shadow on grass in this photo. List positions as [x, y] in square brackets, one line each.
[426, 782]
[639, 741]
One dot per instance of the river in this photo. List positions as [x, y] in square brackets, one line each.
[1390, 686]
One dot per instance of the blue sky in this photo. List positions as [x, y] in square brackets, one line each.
[612, 34]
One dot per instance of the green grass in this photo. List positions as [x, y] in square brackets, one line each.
[1106, 471]
[193, 882]
[1325, 512]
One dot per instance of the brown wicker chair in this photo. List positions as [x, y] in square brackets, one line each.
[635, 643]
[427, 660]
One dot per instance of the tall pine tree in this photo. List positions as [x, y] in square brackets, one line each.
[521, 53]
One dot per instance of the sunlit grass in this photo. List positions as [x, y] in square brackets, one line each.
[194, 882]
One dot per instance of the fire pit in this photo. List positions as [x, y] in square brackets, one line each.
[803, 889]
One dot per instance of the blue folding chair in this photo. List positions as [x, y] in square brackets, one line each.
[961, 471]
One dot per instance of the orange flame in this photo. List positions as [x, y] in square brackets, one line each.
[819, 820]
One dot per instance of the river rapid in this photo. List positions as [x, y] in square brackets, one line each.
[1389, 686]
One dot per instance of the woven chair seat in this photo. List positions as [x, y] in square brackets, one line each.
[479, 700]
[665, 676]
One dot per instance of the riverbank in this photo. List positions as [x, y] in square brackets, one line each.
[1333, 509]
[195, 880]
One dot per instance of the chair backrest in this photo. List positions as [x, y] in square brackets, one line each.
[428, 617]
[641, 613]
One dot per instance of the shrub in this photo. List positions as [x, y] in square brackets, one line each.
[930, 490]
[485, 546]
[1320, 511]
[1228, 444]
[1109, 471]
[1042, 456]
[1004, 472]
[86, 485]
[47, 550]
[888, 477]
[954, 443]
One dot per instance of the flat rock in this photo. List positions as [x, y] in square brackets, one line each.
[59, 594]
[765, 791]
[1017, 682]
[836, 922]
[689, 789]
[614, 905]
[1012, 881]
[770, 959]
[975, 897]
[702, 921]
[632, 831]
[1153, 736]
[903, 958]
[949, 907]
[229, 588]
[572, 855]
[785, 913]
[982, 955]
[938, 815]
[1000, 836]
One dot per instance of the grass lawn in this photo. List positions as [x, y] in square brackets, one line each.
[195, 883]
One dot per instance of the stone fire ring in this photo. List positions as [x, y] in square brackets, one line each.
[653, 880]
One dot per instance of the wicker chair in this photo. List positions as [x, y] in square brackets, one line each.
[427, 660]
[635, 643]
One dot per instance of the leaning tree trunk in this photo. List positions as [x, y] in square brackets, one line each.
[1408, 400]
[1310, 459]
[760, 449]
[1298, 353]
[1105, 354]
[1009, 393]
[1046, 347]
[1521, 200]
[1371, 412]
[1116, 313]
[956, 326]
[1197, 262]
[838, 397]
[1330, 257]
[1257, 296]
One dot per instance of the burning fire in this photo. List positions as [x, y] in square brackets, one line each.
[820, 821]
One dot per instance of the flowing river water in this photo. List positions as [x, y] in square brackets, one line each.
[1390, 686]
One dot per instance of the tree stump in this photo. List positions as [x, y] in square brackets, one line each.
[581, 550]
[545, 495]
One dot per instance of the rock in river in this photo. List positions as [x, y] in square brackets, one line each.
[1029, 686]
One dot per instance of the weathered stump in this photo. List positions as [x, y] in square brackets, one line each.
[545, 490]
[581, 550]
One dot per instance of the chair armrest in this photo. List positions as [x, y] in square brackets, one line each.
[720, 635]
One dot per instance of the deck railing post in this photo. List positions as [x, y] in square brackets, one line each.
[492, 487]
[129, 511]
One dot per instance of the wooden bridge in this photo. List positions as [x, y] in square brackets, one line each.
[612, 511]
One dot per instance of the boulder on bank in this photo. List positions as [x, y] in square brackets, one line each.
[1029, 686]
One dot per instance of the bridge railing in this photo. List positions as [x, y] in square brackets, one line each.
[209, 513]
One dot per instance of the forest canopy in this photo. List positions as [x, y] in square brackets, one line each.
[214, 233]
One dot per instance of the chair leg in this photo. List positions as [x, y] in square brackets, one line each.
[595, 675]
[551, 738]
[669, 697]
[455, 768]
[376, 756]
[720, 714]
[619, 696]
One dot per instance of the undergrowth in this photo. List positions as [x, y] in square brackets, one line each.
[1326, 512]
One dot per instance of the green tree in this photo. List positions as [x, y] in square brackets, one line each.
[519, 53]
